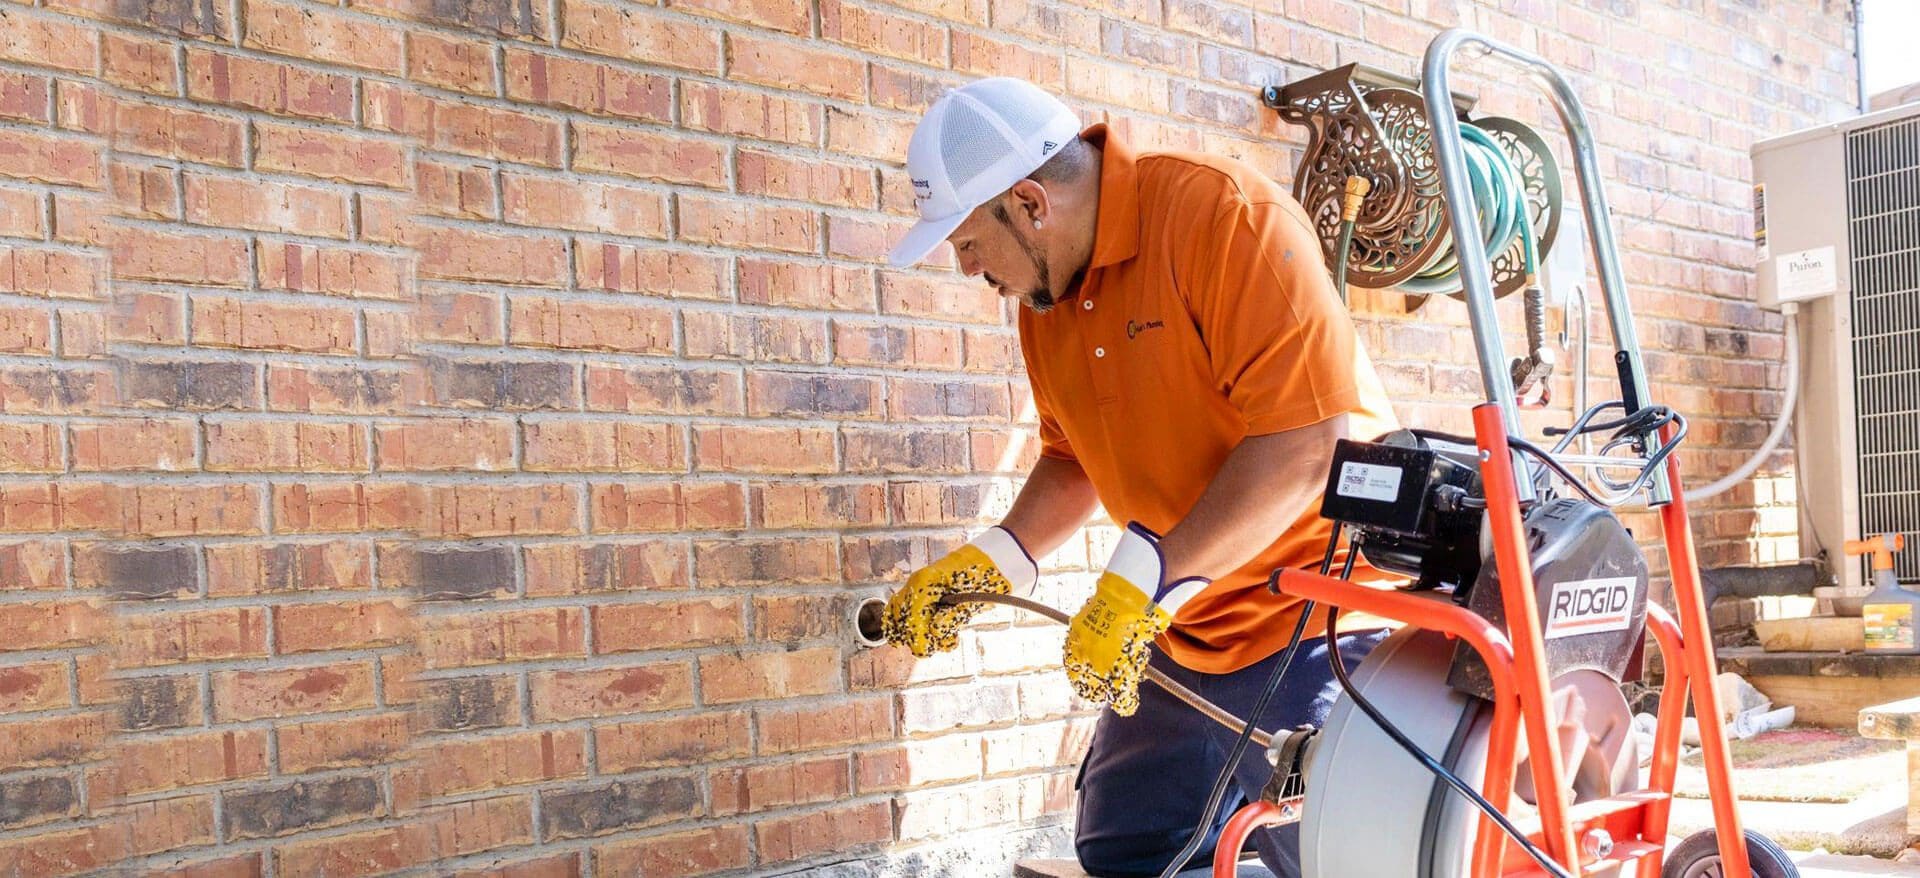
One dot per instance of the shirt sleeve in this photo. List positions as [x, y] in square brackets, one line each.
[1280, 344]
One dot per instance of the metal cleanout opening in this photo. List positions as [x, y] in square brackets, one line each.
[1883, 207]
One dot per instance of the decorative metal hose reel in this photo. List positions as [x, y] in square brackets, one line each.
[1372, 125]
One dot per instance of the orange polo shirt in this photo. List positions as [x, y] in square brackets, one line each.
[1206, 316]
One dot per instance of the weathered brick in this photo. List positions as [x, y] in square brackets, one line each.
[810, 286]
[360, 853]
[136, 571]
[644, 507]
[620, 32]
[458, 254]
[267, 568]
[842, 829]
[167, 132]
[565, 695]
[248, 695]
[663, 390]
[468, 129]
[349, 507]
[471, 827]
[268, 86]
[793, 66]
[985, 56]
[577, 325]
[141, 254]
[61, 740]
[714, 335]
[739, 112]
[32, 566]
[366, 740]
[300, 807]
[587, 568]
[328, 155]
[149, 703]
[466, 703]
[926, 347]
[23, 97]
[858, 721]
[253, 325]
[26, 331]
[628, 152]
[146, 764]
[619, 806]
[687, 740]
[805, 178]
[30, 447]
[44, 41]
[46, 273]
[664, 272]
[748, 225]
[560, 203]
[667, 625]
[498, 385]
[321, 35]
[314, 627]
[764, 449]
[343, 390]
[604, 446]
[237, 203]
[454, 64]
[80, 218]
[484, 638]
[897, 36]
[784, 505]
[26, 801]
[509, 20]
[48, 158]
[478, 763]
[71, 852]
[463, 318]
[32, 686]
[285, 446]
[586, 86]
[180, 18]
[484, 445]
[791, 394]
[143, 64]
[730, 677]
[447, 572]
[695, 852]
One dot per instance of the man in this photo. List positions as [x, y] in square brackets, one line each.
[1192, 367]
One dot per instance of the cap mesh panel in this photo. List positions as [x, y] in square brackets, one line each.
[969, 144]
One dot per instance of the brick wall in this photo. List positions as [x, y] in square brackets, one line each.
[451, 435]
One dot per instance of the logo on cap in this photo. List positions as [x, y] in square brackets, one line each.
[1048, 147]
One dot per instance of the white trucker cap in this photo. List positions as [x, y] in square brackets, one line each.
[973, 144]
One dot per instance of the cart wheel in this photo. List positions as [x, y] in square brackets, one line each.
[1699, 857]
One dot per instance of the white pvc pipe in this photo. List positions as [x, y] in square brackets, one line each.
[1779, 426]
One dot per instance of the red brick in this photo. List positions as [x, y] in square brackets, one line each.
[779, 785]
[720, 109]
[524, 385]
[334, 271]
[337, 743]
[623, 33]
[678, 855]
[929, 813]
[30, 508]
[805, 179]
[565, 695]
[168, 824]
[26, 331]
[663, 390]
[985, 56]
[311, 152]
[896, 88]
[143, 64]
[391, 335]
[458, 254]
[267, 568]
[194, 635]
[268, 86]
[666, 272]
[445, 444]
[485, 638]
[897, 36]
[61, 740]
[348, 507]
[748, 225]
[649, 156]
[604, 446]
[859, 721]
[143, 444]
[785, 561]
[586, 86]
[552, 202]
[836, 830]
[462, 192]
[319, 35]
[254, 325]
[50, 159]
[486, 511]
[799, 285]
[33, 566]
[24, 97]
[509, 21]
[241, 866]
[667, 625]
[201, 510]
[708, 736]
[400, 677]
[755, 337]
[284, 446]
[462, 128]
[764, 449]
[30, 448]
[767, 675]
[867, 135]
[71, 852]
[39, 41]
[141, 254]
[58, 274]
[248, 695]
[793, 66]
[80, 218]
[173, 761]
[924, 347]
[478, 763]
[576, 568]
[21, 214]
[143, 192]
[386, 219]
[790, 16]
[265, 206]
[785, 505]
[458, 571]
[83, 334]
[167, 132]
[32, 686]
[642, 507]
[455, 64]
[557, 323]
[349, 390]
[314, 627]
[466, 318]
[471, 827]
[945, 299]
[373, 852]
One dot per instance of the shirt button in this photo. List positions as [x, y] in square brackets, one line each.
[1099, 352]
[1088, 304]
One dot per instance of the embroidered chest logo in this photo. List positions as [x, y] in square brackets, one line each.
[1135, 327]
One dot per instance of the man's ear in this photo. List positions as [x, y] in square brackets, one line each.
[1030, 202]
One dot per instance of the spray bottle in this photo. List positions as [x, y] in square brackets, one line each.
[1889, 610]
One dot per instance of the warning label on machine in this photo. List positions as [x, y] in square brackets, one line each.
[1590, 606]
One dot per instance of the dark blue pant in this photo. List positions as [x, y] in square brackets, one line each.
[1146, 777]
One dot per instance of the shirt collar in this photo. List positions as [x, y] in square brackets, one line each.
[1116, 234]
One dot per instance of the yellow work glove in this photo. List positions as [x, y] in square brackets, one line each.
[994, 562]
[1108, 639]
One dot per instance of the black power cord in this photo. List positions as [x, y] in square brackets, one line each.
[1225, 777]
[1421, 756]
